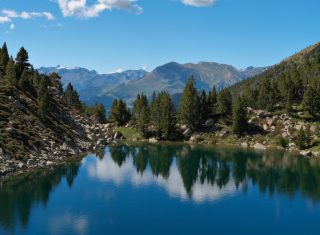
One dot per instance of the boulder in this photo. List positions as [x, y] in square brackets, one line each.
[18, 105]
[30, 163]
[102, 142]
[153, 140]
[49, 163]
[259, 146]
[209, 122]
[244, 145]
[20, 165]
[265, 127]
[187, 132]
[306, 153]
[263, 113]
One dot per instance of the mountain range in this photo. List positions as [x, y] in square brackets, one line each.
[104, 88]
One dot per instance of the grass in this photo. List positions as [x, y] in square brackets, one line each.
[128, 132]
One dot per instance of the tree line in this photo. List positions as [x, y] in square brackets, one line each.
[194, 110]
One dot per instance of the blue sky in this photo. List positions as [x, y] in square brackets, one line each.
[108, 35]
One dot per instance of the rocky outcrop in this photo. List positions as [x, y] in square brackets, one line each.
[88, 136]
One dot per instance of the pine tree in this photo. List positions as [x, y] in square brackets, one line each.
[239, 116]
[167, 115]
[212, 102]
[43, 97]
[310, 101]
[189, 105]
[11, 75]
[100, 113]
[43, 105]
[303, 139]
[4, 59]
[119, 113]
[24, 83]
[225, 102]
[204, 109]
[264, 101]
[141, 113]
[22, 61]
[155, 113]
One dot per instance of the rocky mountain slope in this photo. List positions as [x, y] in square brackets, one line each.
[29, 140]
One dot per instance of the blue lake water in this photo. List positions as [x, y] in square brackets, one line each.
[167, 189]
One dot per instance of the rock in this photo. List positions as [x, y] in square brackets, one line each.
[63, 147]
[102, 142]
[1, 151]
[49, 163]
[117, 142]
[244, 145]
[187, 132]
[117, 135]
[184, 127]
[223, 133]
[20, 165]
[314, 129]
[269, 121]
[306, 153]
[153, 140]
[209, 122]
[265, 127]
[291, 145]
[253, 120]
[259, 146]
[30, 163]
[298, 127]
[18, 105]
[263, 113]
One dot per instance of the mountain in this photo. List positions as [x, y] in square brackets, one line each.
[173, 76]
[104, 88]
[90, 84]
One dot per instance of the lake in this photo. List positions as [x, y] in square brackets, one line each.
[167, 189]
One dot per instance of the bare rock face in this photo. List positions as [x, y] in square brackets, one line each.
[244, 145]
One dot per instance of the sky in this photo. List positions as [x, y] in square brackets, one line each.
[115, 35]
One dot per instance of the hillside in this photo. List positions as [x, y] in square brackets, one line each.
[40, 123]
[302, 67]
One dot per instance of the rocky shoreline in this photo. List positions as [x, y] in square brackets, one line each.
[94, 136]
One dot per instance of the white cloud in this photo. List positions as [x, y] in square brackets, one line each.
[79, 8]
[198, 3]
[8, 15]
[107, 170]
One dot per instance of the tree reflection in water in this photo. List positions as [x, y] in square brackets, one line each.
[270, 171]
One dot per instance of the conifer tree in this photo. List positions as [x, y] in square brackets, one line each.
[204, 109]
[310, 101]
[189, 105]
[212, 102]
[141, 113]
[119, 113]
[167, 115]
[155, 113]
[225, 102]
[22, 61]
[4, 59]
[43, 97]
[239, 116]
[11, 75]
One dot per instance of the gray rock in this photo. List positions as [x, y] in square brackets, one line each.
[306, 153]
[30, 163]
[18, 105]
[20, 165]
[244, 145]
[187, 132]
[153, 140]
[259, 146]
[49, 163]
[209, 122]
